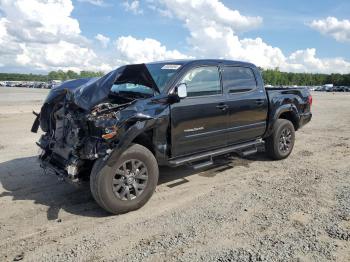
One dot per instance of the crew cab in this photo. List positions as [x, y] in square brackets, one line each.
[116, 130]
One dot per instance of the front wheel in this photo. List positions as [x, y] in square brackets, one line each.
[128, 184]
[280, 144]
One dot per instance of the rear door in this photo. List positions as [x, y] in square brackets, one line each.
[247, 103]
[199, 121]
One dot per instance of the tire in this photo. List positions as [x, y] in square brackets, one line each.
[278, 147]
[128, 184]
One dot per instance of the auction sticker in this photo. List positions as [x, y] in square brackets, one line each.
[171, 67]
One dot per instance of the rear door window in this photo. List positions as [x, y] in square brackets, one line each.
[237, 79]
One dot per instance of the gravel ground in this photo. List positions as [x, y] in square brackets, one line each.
[249, 209]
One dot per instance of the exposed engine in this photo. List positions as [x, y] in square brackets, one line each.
[75, 138]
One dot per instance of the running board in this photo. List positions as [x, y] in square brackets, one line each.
[202, 165]
[217, 152]
[249, 152]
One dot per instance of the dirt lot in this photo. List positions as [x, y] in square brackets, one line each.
[250, 209]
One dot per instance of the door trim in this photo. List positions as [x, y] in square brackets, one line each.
[229, 129]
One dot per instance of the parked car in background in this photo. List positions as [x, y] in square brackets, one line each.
[312, 88]
[328, 88]
[340, 89]
[320, 88]
[53, 83]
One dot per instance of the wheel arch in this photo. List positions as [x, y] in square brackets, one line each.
[291, 116]
[138, 133]
[145, 139]
[286, 111]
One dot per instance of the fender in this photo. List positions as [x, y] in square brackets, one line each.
[142, 123]
[139, 127]
[280, 110]
[125, 140]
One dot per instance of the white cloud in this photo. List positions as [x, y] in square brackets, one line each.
[40, 21]
[104, 40]
[59, 55]
[133, 6]
[161, 11]
[214, 33]
[42, 35]
[132, 50]
[199, 14]
[306, 60]
[338, 29]
[94, 2]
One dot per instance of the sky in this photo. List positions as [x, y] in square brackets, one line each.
[38, 36]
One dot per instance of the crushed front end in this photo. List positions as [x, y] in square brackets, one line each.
[75, 138]
[82, 123]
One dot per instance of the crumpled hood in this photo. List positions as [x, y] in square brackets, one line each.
[88, 92]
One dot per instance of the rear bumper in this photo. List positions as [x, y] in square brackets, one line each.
[304, 119]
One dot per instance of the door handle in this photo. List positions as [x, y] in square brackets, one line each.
[223, 107]
[260, 102]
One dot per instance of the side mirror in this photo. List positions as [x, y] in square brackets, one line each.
[182, 90]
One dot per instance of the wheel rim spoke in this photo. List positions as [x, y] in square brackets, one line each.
[136, 188]
[142, 174]
[127, 192]
[120, 172]
[123, 192]
[135, 165]
[117, 181]
[116, 188]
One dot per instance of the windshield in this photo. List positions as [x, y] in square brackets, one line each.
[129, 83]
[129, 88]
[163, 72]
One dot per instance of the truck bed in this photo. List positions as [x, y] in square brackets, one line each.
[296, 97]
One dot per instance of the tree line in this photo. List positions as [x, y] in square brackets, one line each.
[272, 77]
[275, 77]
[53, 75]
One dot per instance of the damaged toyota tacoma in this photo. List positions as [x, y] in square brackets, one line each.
[116, 130]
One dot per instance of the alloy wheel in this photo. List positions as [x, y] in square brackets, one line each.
[285, 140]
[130, 179]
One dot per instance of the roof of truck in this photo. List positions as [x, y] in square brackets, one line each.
[204, 61]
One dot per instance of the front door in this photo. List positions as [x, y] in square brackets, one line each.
[199, 121]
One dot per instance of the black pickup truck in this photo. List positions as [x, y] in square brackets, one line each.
[116, 130]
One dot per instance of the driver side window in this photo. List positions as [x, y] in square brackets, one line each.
[203, 81]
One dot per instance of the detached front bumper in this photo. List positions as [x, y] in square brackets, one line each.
[59, 166]
[51, 161]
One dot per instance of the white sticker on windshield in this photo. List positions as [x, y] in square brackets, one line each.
[171, 67]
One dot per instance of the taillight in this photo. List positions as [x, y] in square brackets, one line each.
[310, 100]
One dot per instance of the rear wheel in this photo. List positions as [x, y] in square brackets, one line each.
[128, 184]
[280, 144]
